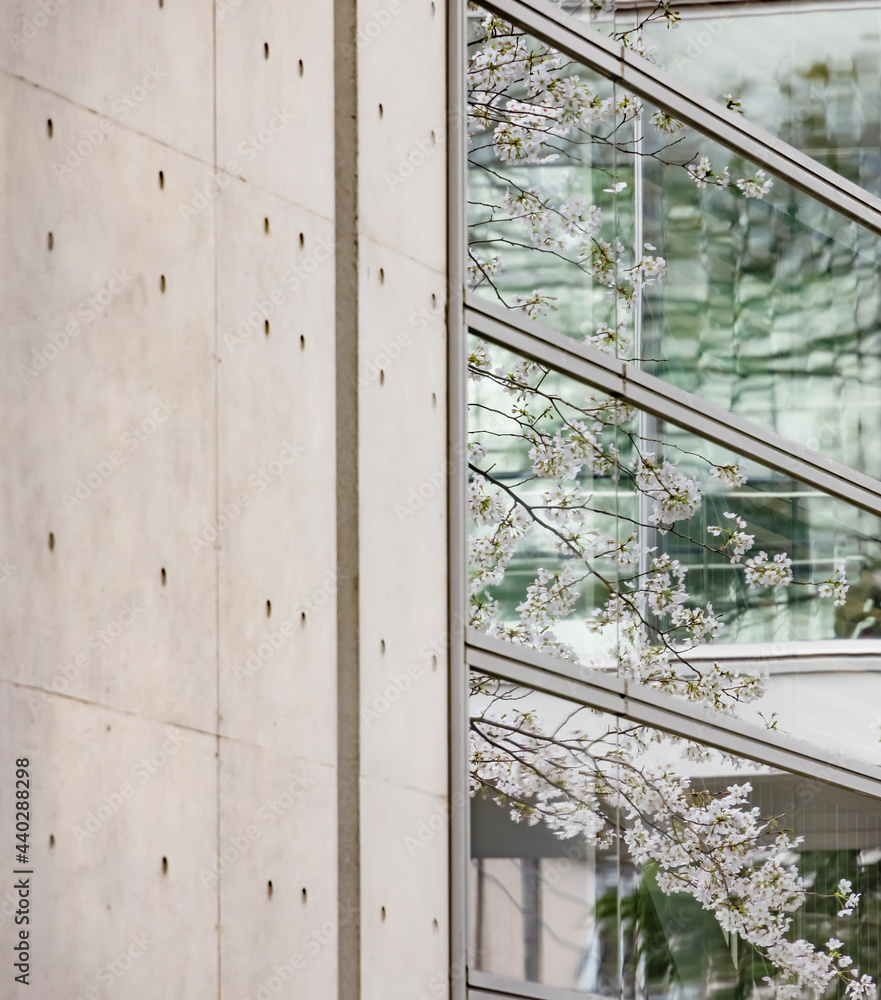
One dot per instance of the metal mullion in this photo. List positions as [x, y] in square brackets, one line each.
[740, 435]
[584, 363]
[738, 8]
[562, 680]
[669, 713]
[690, 106]
[655, 396]
[460, 832]
[489, 986]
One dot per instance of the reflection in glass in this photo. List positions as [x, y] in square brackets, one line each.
[609, 221]
[784, 518]
[807, 73]
[573, 913]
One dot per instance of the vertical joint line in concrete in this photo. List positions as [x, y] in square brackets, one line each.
[347, 499]
[217, 772]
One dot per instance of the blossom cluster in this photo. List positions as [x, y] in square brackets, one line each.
[674, 495]
[703, 174]
[737, 542]
[760, 571]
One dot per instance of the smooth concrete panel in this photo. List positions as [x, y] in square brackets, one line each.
[117, 795]
[404, 893]
[275, 113]
[278, 825]
[109, 429]
[276, 451]
[403, 159]
[146, 65]
[404, 636]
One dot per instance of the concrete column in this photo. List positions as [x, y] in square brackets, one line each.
[223, 569]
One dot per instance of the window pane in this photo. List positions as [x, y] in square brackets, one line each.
[580, 912]
[770, 308]
[783, 517]
[808, 73]
[586, 211]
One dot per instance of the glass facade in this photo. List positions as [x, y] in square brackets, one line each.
[612, 543]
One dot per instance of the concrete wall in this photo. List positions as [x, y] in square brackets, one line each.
[169, 559]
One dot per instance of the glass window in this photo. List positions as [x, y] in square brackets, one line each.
[616, 226]
[558, 430]
[582, 912]
[806, 72]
